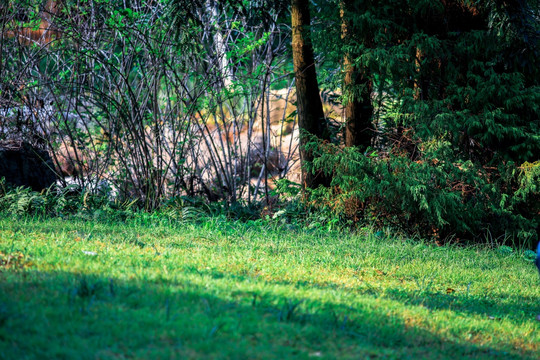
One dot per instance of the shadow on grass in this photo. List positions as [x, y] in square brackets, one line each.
[510, 307]
[67, 315]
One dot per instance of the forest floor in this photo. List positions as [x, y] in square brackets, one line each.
[218, 289]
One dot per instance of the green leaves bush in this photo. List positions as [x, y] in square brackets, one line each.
[434, 195]
[456, 117]
[54, 201]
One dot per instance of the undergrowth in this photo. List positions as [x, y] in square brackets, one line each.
[419, 206]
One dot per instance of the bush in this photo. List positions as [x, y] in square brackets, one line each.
[433, 195]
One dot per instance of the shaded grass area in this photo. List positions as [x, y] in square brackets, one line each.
[219, 289]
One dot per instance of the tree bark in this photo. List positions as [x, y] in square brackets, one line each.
[311, 119]
[357, 88]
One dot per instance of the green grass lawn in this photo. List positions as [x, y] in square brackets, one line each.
[78, 289]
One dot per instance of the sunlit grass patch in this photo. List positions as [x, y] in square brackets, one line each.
[222, 289]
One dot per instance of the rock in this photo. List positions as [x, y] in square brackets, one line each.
[72, 162]
[22, 164]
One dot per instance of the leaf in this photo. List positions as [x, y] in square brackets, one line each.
[529, 255]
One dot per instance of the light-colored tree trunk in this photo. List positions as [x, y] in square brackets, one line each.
[219, 43]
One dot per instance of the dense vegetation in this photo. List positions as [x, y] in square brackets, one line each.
[270, 179]
[148, 102]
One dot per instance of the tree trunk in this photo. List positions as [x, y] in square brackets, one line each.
[357, 88]
[311, 119]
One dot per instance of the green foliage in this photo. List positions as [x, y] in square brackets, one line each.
[488, 110]
[433, 195]
[74, 202]
[57, 201]
[456, 98]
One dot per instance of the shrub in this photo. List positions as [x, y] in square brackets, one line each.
[433, 195]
